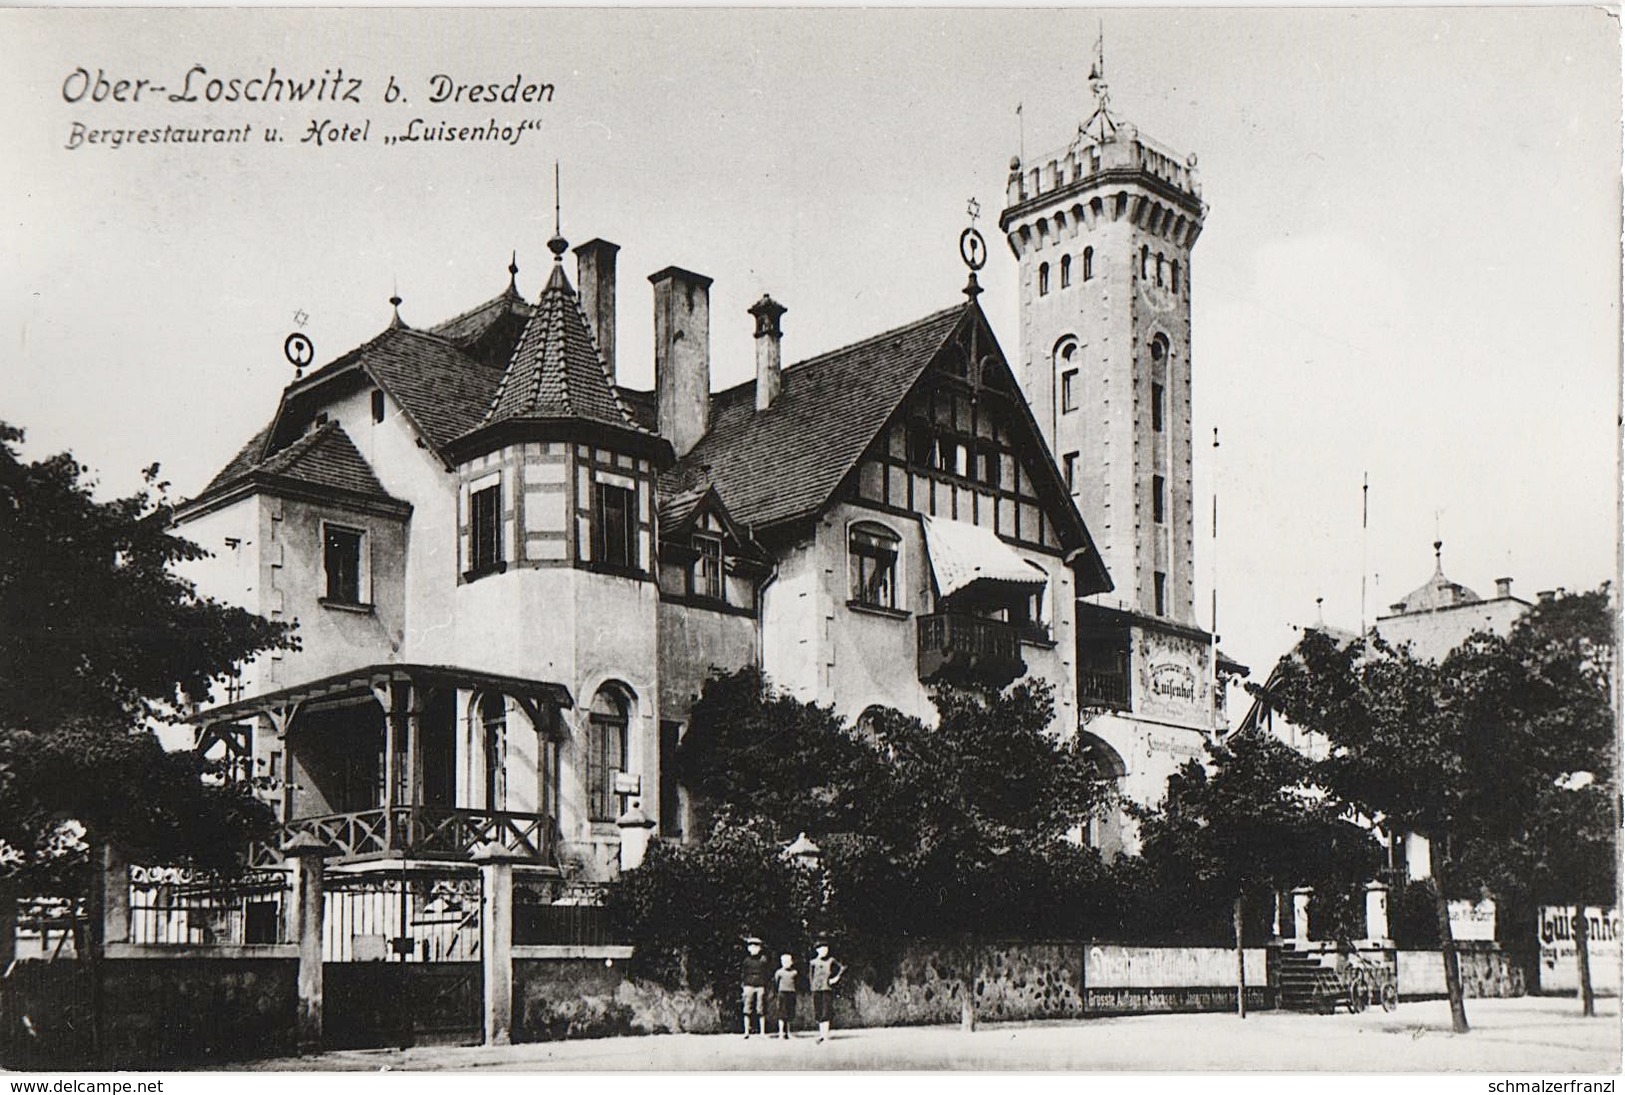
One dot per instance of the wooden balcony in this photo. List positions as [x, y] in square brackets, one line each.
[420, 832]
[966, 649]
[1103, 688]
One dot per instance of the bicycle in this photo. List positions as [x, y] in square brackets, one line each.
[1368, 982]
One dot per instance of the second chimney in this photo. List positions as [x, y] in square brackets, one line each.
[682, 356]
[595, 278]
[1503, 587]
[769, 340]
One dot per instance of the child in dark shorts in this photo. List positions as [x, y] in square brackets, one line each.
[784, 988]
[822, 974]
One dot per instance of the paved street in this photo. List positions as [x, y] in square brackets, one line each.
[1510, 1036]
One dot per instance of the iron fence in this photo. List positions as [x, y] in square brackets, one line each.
[182, 906]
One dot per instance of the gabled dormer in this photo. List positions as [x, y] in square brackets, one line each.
[708, 561]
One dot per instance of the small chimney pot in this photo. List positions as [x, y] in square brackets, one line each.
[769, 350]
[1503, 587]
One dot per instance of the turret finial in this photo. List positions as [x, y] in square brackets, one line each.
[513, 273]
[395, 303]
[557, 244]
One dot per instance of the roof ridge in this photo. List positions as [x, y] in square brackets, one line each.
[505, 296]
[894, 332]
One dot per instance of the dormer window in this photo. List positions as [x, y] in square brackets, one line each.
[708, 567]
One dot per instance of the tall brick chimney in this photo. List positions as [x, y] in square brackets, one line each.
[769, 339]
[595, 281]
[682, 356]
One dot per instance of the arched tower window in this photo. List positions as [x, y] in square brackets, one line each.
[1145, 261]
[1067, 362]
[1088, 263]
[1066, 271]
[493, 712]
[606, 751]
[1161, 267]
[1174, 277]
[1043, 279]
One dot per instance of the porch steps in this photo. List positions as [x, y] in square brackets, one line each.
[1306, 979]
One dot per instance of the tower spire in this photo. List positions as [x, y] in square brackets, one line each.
[558, 245]
[1104, 125]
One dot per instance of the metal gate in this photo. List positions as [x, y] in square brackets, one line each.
[401, 959]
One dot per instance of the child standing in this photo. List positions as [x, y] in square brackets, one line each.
[784, 988]
[753, 971]
[822, 973]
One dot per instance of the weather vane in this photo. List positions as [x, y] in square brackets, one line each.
[972, 248]
[299, 351]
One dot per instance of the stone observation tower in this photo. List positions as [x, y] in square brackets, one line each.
[1103, 231]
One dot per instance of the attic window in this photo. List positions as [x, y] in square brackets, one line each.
[377, 405]
[708, 567]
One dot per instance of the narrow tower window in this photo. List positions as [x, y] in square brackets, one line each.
[377, 405]
[1066, 271]
[1071, 463]
[1162, 265]
[1145, 261]
[1159, 489]
[1088, 263]
[1156, 407]
[1159, 589]
[1043, 279]
[486, 532]
[1174, 277]
[1069, 391]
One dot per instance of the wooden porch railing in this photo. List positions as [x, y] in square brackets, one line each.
[422, 832]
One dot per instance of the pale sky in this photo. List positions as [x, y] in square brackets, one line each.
[1411, 266]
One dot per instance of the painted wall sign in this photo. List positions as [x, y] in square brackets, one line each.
[1558, 966]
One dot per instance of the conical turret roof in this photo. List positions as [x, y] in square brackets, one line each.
[556, 371]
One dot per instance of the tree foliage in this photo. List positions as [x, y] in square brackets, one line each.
[1502, 754]
[925, 830]
[99, 639]
[1250, 822]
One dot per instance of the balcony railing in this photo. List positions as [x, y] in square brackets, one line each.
[421, 832]
[969, 649]
[1099, 688]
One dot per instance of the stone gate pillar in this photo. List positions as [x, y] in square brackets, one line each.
[496, 939]
[309, 898]
[1376, 910]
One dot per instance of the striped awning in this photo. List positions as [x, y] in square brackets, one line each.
[963, 555]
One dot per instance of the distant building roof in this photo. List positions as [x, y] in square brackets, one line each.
[1437, 592]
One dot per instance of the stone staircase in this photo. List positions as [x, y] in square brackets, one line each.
[1307, 980]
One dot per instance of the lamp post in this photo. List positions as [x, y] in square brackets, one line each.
[809, 861]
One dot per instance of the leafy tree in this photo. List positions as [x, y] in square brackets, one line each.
[99, 640]
[958, 828]
[1478, 753]
[1249, 824]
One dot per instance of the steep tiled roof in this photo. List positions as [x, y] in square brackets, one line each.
[489, 332]
[324, 458]
[241, 464]
[785, 462]
[556, 371]
[441, 389]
